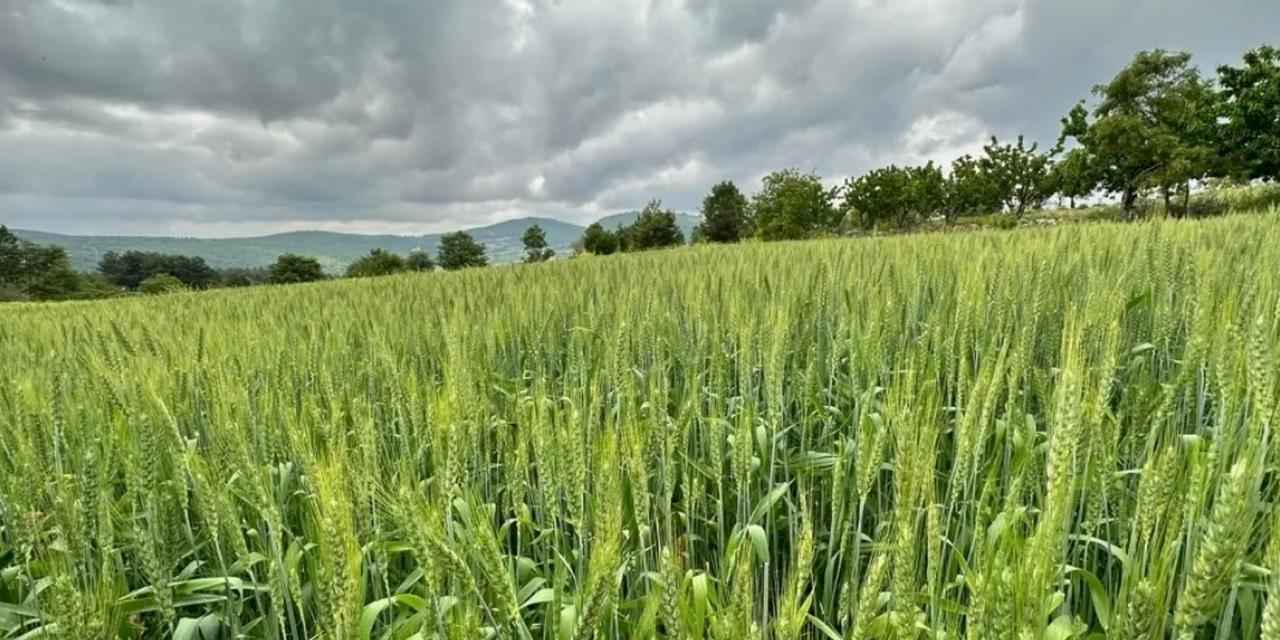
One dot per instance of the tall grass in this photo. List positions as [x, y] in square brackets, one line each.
[1051, 434]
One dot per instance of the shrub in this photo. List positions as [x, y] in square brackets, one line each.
[161, 283]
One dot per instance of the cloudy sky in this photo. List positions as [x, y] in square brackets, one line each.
[238, 117]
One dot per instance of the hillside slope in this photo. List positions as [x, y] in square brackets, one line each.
[334, 250]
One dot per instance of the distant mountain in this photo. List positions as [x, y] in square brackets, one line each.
[334, 250]
[685, 221]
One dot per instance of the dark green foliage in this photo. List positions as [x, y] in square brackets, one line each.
[130, 268]
[1250, 135]
[33, 272]
[599, 241]
[94, 286]
[1072, 176]
[11, 257]
[655, 228]
[459, 250]
[377, 263]
[724, 214]
[1018, 176]
[1151, 128]
[792, 205]
[243, 276]
[894, 196]
[535, 245]
[419, 260]
[970, 190]
[928, 189]
[882, 196]
[292, 268]
[160, 283]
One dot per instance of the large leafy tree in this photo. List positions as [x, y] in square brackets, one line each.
[535, 245]
[792, 205]
[882, 196]
[1017, 175]
[419, 260]
[1072, 177]
[379, 262]
[599, 241]
[458, 250]
[292, 268]
[724, 214]
[1151, 128]
[36, 272]
[654, 228]
[1250, 133]
[893, 195]
[970, 189]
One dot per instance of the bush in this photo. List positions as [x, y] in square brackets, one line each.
[161, 283]
[377, 263]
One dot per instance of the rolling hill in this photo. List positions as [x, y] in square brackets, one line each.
[334, 250]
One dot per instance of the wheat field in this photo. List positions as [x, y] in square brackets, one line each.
[1058, 433]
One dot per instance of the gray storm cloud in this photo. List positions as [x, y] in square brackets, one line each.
[162, 116]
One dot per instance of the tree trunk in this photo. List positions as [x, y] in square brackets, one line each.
[1127, 202]
[1164, 191]
[1073, 202]
[1186, 199]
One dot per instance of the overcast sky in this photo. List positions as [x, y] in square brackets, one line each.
[238, 117]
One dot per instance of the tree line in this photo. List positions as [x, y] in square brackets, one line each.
[1159, 126]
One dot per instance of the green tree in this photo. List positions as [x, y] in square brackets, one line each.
[880, 197]
[161, 283]
[34, 272]
[1072, 176]
[1250, 107]
[292, 268]
[420, 260]
[458, 250]
[12, 252]
[130, 268]
[654, 228]
[792, 205]
[50, 276]
[378, 263]
[1149, 129]
[724, 214]
[599, 241]
[535, 245]
[928, 188]
[1018, 175]
[893, 195]
[969, 189]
